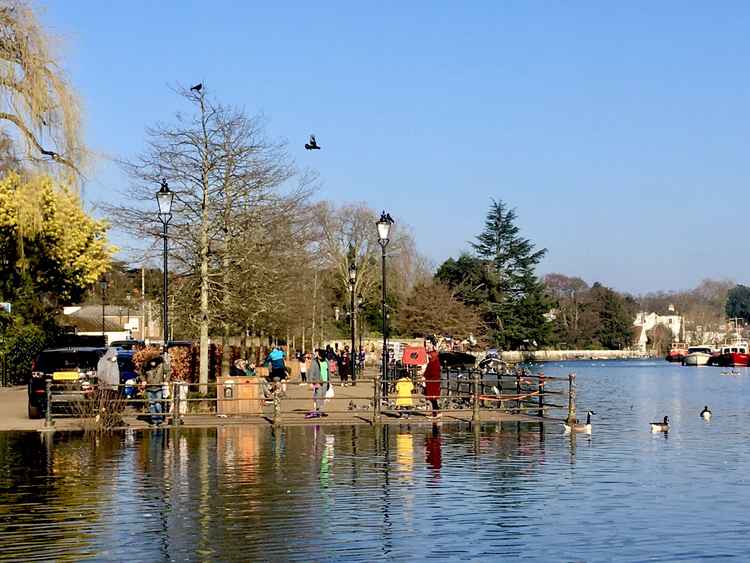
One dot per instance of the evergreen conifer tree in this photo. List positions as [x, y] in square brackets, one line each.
[516, 303]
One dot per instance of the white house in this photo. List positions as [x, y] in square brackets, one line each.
[120, 323]
[644, 322]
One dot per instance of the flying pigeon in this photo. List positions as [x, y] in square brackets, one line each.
[197, 87]
[313, 144]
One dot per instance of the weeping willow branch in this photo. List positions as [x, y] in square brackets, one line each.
[37, 98]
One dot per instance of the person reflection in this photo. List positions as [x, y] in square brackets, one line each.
[405, 453]
[326, 460]
[432, 448]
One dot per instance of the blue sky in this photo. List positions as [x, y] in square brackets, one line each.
[619, 131]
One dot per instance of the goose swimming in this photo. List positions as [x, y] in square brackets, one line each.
[660, 426]
[579, 426]
[706, 413]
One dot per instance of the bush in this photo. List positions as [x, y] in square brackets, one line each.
[181, 362]
[100, 411]
[20, 344]
[143, 355]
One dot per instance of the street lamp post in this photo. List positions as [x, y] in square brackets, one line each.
[164, 198]
[360, 325]
[103, 287]
[352, 355]
[384, 229]
[127, 300]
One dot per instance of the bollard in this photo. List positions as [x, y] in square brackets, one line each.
[541, 395]
[276, 405]
[48, 413]
[571, 399]
[475, 414]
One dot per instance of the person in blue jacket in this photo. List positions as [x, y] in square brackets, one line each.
[277, 368]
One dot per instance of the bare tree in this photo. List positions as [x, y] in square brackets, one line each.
[432, 308]
[348, 236]
[38, 100]
[229, 180]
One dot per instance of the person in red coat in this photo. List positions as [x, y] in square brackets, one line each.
[432, 375]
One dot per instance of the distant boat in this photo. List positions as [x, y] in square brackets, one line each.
[697, 356]
[733, 355]
[677, 353]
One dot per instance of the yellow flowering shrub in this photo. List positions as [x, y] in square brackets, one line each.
[45, 232]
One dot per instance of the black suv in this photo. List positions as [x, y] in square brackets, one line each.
[71, 370]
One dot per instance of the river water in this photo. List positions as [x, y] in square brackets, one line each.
[409, 492]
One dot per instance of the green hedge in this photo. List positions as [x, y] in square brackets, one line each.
[19, 345]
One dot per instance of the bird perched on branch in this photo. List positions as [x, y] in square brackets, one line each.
[313, 144]
[197, 87]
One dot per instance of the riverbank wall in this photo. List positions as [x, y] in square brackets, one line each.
[561, 355]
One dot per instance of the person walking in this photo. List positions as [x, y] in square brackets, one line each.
[332, 360]
[346, 365]
[154, 378]
[301, 358]
[318, 377]
[432, 375]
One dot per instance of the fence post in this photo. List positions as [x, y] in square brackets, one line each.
[276, 405]
[518, 391]
[541, 395]
[48, 413]
[176, 417]
[376, 392]
[571, 399]
[475, 414]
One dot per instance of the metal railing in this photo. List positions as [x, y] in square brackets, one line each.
[518, 392]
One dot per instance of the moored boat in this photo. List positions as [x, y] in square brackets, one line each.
[733, 355]
[677, 353]
[697, 356]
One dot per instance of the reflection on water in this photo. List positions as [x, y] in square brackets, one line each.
[400, 492]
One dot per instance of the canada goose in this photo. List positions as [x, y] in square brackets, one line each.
[579, 426]
[706, 413]
[660, 426]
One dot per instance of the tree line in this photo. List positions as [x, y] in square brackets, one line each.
[252, 250]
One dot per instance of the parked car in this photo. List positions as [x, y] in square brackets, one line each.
[72, 340]
[128, 373]
[127, 344]
[72, 370]
[457, 360]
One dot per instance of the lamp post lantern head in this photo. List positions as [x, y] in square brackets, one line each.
[164, 198]
[384, 228]
[103, 284]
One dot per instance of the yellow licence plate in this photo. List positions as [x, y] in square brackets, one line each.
[65, 376]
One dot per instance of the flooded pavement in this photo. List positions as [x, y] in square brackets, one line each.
[402, 492]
